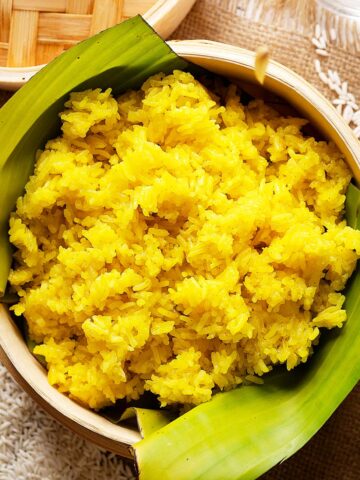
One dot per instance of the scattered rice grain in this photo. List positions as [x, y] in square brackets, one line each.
[316, 43]
[333, 34]
[322, 52]
[323, 77]
[356, 118]
[348, 113]
[338, 101]
[336, 78]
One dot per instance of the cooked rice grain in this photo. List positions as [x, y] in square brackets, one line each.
[172, 244]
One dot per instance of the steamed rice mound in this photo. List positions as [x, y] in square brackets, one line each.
[172, 242]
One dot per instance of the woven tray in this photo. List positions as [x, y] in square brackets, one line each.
[33, 32]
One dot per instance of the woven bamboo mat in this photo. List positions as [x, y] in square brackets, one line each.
[334, 452]
[33, 32]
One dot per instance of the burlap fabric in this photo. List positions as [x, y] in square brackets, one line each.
[334, 452]
[216, 20]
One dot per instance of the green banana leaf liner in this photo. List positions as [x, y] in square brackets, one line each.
[239, 434]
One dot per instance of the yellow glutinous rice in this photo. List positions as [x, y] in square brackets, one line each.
[174, 242]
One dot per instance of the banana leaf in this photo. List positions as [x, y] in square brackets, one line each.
[148, 421]
[243, 433]
[121, 57]
[352, 206]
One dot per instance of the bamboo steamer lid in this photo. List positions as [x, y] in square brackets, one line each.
[33, 32]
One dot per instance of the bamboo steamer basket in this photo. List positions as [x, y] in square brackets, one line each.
[33, 32]
[237, 64]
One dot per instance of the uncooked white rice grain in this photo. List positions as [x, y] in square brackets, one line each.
[338, 101]
[330, 74]
[317, 30]
[317, 65]
[356, 118]
[333, 34]
[323, 77]
[348, 113]
[357, 131]
[322, 41]
[337, 89]
[336, 77]
[316, 42]
[322, 52]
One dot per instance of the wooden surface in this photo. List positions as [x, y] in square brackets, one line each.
[32, 32]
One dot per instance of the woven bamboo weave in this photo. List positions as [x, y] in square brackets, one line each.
[33, 32]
